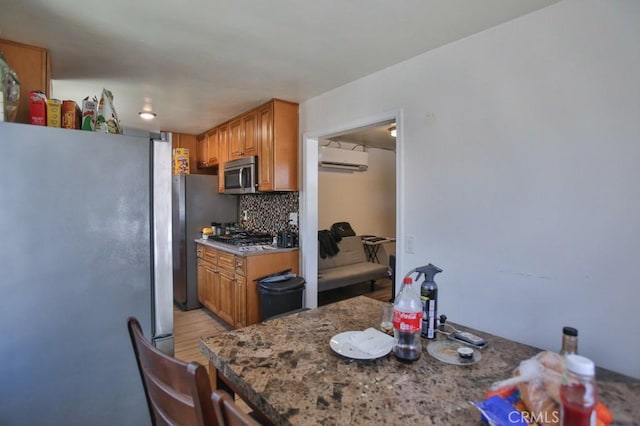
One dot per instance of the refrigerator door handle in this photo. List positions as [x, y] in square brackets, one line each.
[162, 275]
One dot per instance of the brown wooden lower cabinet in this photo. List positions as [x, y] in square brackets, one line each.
[226, 282]
[226, 303]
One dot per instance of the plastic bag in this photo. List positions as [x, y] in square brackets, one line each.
[537, 382]
[538, 379]
[107, 119]
[10, 90]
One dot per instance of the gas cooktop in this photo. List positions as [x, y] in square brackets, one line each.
[242, 239]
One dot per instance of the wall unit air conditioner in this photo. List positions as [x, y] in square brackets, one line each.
[344, 159]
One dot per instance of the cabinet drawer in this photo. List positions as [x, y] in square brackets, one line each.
[208, 266]
[210, 255]
[240, 266]
[227, 261]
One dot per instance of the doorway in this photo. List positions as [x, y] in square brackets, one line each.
[350, 135]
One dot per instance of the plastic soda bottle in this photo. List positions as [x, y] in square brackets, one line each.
[407, 323]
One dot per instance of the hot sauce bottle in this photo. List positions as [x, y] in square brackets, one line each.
[578, 391]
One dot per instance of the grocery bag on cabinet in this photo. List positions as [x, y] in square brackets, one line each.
[107, 119]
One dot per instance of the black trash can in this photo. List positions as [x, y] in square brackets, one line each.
[280, 297]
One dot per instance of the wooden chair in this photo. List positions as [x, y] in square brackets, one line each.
[177, 393]
[228, 413]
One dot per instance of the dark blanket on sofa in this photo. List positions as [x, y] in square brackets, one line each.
[328, 245]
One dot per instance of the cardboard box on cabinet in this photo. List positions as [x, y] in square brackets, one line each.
[54, 113]
[38, 108]
[71, 115]
[180, 161]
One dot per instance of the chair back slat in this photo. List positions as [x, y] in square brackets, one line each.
[228, 413]
[178, 393]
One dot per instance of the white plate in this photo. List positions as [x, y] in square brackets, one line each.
[367, 344]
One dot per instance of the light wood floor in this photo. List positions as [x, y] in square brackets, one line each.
[189, 326]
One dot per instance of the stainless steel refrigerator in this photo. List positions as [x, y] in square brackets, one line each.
[196, 203]
[85, 225]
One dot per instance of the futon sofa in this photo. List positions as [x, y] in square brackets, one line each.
[349, 266]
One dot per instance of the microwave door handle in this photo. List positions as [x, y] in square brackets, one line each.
[240, 177]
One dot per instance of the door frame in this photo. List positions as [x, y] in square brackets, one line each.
[309, 197]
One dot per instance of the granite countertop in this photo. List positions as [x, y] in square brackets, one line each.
[286, 369]
[235, 250]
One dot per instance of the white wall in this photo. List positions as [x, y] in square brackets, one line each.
[364, 199]
[521, 173]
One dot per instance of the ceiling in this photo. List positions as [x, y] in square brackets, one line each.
[374, 136]
[197, 63]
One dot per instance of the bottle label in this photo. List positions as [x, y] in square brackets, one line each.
[409, 322]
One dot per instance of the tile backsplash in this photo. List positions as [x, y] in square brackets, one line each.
[269, 212]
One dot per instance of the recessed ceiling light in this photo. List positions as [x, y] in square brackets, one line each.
[147, 115]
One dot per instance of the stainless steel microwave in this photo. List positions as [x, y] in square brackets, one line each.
[241, 175]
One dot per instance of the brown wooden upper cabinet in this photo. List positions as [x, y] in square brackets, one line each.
[212, 146]
[202, 151]
[278, 146]
[236, 139]
[269, 131]
[207, 149]
[223, 153]
[33, 66]
[244, 138]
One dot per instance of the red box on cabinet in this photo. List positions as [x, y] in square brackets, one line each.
[38, 108]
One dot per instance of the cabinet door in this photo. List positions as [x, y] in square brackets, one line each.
[212, 146]
[202, 151]
[214, 292]
[207, 277]
[236, 139]
[32, 64]
[201, 277]
[265, 147]
[240, 302]
[223, 153]
[250, 124]
[227, 295]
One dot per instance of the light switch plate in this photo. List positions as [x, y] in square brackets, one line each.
[293, 218]
[410, 246]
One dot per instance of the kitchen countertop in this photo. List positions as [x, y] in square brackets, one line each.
[229, 248]
[286, 370]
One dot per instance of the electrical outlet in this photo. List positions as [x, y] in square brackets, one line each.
[410, 246]
[293, 218]
[245, 215]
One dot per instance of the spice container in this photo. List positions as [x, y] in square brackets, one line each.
[569, 341]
